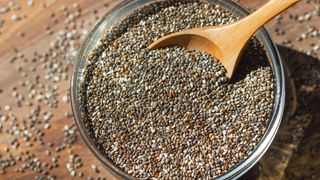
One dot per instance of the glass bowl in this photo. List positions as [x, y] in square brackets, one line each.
[125, 8]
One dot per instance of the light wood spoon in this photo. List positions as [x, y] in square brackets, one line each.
[225, 42]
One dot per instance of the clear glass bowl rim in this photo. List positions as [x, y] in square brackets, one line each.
[120, 11]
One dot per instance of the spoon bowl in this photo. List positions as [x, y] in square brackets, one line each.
[225, 42]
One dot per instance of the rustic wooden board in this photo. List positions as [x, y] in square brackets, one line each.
[280, 162]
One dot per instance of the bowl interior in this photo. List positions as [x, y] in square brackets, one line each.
[121, 11]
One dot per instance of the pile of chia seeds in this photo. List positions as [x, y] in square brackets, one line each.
[172, 112]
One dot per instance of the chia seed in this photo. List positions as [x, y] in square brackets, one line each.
[173, 113]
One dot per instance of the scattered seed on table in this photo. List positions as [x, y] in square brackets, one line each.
[30, 3]
[15, 17]
[94, 168]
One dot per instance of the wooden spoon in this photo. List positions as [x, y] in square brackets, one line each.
[225, 42]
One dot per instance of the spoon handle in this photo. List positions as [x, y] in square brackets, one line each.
[264, 14]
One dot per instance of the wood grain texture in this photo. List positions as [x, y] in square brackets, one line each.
[35, 38]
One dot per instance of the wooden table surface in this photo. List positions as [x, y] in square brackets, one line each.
[294, 153]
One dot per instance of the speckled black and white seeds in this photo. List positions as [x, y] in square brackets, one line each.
[172, 112]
